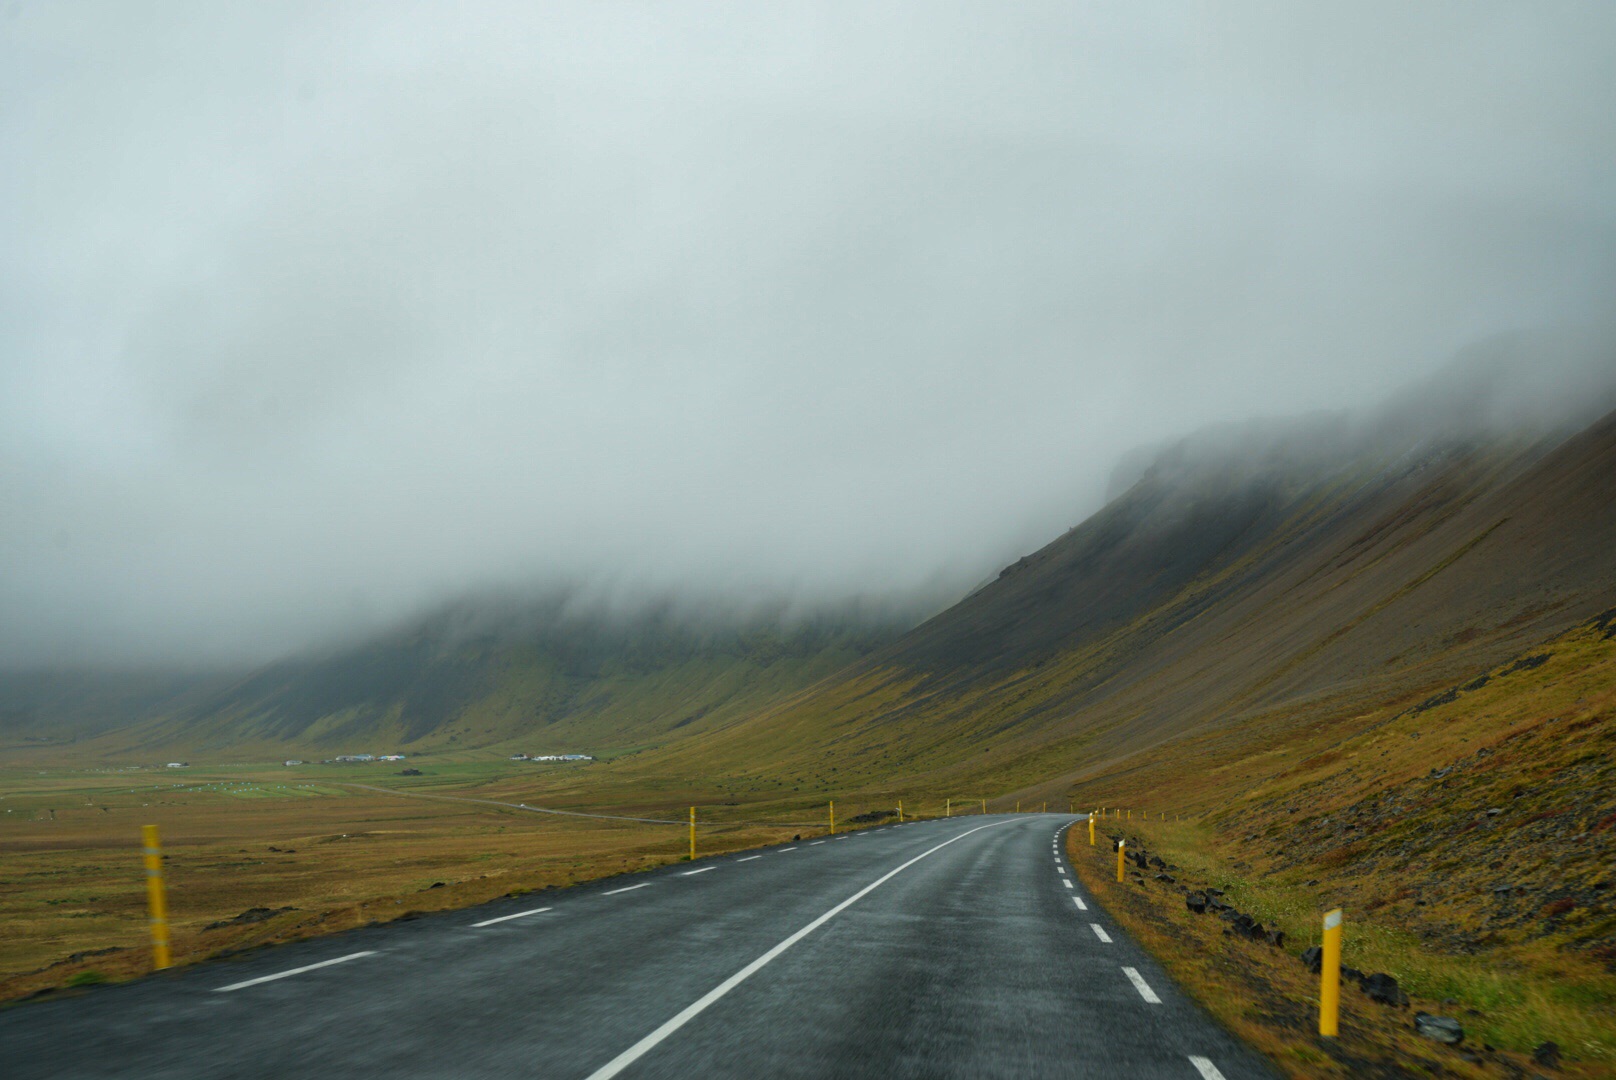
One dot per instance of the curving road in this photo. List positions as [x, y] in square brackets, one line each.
[953, 948]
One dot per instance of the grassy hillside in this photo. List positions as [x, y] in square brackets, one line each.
[1208, 596]
[537, 678]
[1470, 837]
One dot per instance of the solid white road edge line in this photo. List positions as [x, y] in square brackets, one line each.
[1081, 906]
[749, 858]
[696, 1008]
[703, 870]
[294, 971]
[631, 888]
[506, 918]
[1205, 1067]
[1141, 985]
[1099, 932]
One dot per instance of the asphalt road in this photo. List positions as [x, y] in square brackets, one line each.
[954, 948]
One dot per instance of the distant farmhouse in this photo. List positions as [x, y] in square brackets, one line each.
[294, 761]
[561, 757]
[179, 764]
[350, 758]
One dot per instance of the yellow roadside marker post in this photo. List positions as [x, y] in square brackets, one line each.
[984, 806]
[1091, 830]
[156, 897]
[692, 834]
[1122, 847]
[833, 817]
[1018, 806]
[948, 807]
[1330, 976]
[900, 811]
[1045, 810]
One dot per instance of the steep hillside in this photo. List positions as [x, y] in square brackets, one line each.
[539, 676]
[40, 708]
[1230, 581]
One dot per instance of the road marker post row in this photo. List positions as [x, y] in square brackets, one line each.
[156, 898]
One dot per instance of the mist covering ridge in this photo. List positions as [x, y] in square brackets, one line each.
[721, 302]
[1533, 385]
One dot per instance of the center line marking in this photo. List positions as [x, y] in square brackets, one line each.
[1081, 906]
[1205, 1067]
[1141, 985]
[294, 971]
[700, 1005]
[783, 850]
[816, 842]
[749, 858]
[631, 888]
[1061, 870]
[703, 870]
[1066, 881]
[504, 918]
[1099, 932]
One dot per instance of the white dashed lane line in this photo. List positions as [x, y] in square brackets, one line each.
[783, 850]
[703, 870]
[749, 858]
[294, 971]
[631, 888]
[1141, 985]
[1099, 932]
[1066, 882]
[1205, 1067]
[816, 843]
[1081, 906]
[507, 918]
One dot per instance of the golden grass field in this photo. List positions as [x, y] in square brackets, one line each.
[299, 841]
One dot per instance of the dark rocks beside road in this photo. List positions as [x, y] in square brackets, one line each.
[251, 915]
[1384, 989]
[1442, 1029]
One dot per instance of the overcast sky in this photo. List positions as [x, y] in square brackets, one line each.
[313, 314]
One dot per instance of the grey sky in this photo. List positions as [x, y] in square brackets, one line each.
[314, 314]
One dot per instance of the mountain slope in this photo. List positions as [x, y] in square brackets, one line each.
[1220, 586]
[539, 676]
